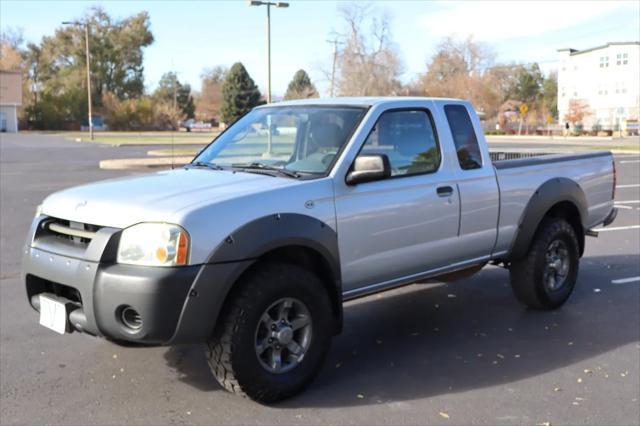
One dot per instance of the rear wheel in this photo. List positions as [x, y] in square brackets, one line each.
[274, 333]
[546, 276]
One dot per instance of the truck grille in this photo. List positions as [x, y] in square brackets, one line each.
[77, 232]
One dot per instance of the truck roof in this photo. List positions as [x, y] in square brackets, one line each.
[360, 100]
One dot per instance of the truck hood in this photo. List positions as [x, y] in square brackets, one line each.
[160, 196]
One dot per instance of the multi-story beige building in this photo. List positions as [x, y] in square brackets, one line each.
[10, 100]
[607, 79]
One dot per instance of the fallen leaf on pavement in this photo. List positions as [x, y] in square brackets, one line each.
[444, 415]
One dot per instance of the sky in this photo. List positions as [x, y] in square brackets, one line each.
[194, 35]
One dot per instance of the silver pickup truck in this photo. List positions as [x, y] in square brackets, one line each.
[253, 247]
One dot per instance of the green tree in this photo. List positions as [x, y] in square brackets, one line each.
[239, 93]
[301, 87]
[56, 67]
[527, 86]
[170, 89]
[550, 94]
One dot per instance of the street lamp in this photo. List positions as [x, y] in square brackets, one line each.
[86, 44]
[268, 4]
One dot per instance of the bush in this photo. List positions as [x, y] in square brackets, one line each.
[139, 114]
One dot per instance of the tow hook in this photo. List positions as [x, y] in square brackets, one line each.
[591, 233]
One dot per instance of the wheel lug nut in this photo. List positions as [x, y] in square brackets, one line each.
[273, 326]
[277, 346]
[270, 340]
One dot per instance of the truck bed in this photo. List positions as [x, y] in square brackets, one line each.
[519, 174]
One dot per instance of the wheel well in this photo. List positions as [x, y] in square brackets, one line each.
[313, 261]
[568, 211]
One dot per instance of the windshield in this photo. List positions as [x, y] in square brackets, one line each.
[302, 139]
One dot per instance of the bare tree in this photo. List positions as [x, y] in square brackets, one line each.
[368, 63]
[209, 100]
[462, 69]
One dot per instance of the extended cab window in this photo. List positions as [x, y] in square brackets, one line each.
[464, 137]
[408, 139]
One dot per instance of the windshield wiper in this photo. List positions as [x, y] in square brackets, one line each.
[211, 166]
[262, 166]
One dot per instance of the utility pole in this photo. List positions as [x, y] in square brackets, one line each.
[175, 91]
[335, 43]
[86, 45]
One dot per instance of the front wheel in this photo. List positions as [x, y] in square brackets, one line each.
[546, 276]
[274, 333]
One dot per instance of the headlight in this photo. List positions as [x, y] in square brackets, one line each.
[154, 244]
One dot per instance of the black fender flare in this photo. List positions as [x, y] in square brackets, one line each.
[549, 194]
[238, 252]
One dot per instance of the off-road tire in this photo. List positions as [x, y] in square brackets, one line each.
[231, 350]
[527, 274]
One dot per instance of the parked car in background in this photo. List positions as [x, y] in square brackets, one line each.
[98, 122]
[253, 247]
[192, 124]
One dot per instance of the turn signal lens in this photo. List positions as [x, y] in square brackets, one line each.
[183, 246]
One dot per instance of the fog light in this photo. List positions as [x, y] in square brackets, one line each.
[131, 318]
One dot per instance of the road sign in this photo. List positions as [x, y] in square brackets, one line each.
[523, 109]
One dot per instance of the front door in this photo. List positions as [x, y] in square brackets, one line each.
[403, 225]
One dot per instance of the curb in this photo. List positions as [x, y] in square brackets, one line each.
[137, 163]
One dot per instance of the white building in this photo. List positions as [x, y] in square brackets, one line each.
[10, 100]
[607, 79]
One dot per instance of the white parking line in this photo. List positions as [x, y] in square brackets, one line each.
[635, 185]
[628, 202]
[626, 280]
[617, 228]
[630, 161]
[622, 206]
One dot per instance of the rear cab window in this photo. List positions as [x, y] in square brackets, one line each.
[464, 137]
[408, 139]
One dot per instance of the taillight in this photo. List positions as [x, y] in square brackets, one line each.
[613, 190]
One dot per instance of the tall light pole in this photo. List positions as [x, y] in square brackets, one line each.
[86, 45]
[268, 4]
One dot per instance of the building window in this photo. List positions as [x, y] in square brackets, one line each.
[619, 59]
[604, 62]
[625, 59]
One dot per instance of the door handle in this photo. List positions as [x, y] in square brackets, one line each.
[445, 191]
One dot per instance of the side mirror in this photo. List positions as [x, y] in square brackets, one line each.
[369, 167]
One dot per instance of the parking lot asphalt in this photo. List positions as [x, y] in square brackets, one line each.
[458, 353]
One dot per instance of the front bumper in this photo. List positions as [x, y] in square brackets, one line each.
[98, 293]
[173, 305]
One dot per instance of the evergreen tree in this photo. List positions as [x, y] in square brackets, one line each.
[301, 87]
[239, 94]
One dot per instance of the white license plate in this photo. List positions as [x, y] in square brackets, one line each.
[53, 314]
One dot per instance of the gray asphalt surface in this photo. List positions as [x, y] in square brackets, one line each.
[462, 353]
